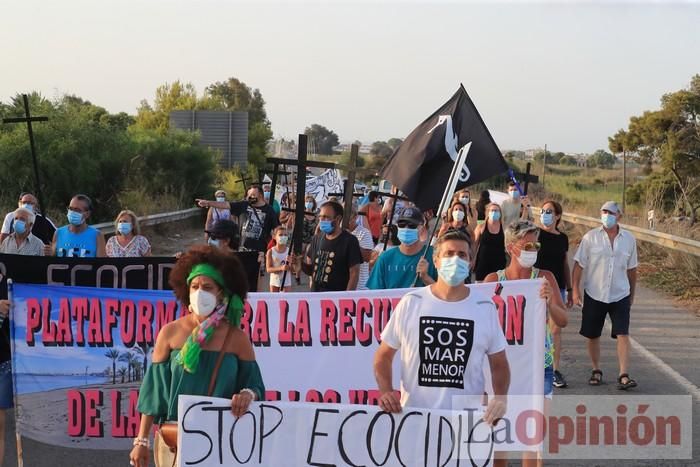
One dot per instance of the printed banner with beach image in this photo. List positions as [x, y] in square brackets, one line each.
[80, 353]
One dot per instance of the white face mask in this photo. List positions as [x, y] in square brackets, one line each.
[283, 239]
[458, 215]
[202, 303]
[527, 259]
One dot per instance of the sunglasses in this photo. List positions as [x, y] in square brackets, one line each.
[531, 246]
[406, 225]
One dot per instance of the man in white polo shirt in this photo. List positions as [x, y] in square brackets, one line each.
[607, 261]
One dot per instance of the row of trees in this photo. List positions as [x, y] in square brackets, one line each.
[84, 148]
[136, 363]
[601, 159]
[119, 160]
[667, 142]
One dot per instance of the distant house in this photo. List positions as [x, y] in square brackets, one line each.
[226, 132]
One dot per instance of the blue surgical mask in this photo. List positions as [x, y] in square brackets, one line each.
[266, 194]
[20, 226]
[124, 228]
[221, 199]
[309, 205]
[75, 218]
[28, 207]
[213, 242]
[326, 226]
[547, 219]
[408, 236]
[608, 220]
[453, 270]
[514, 194]
[495, 216]
[283, 240]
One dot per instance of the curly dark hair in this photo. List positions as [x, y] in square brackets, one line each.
[228, 264]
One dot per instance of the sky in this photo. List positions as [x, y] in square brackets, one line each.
[565, 74]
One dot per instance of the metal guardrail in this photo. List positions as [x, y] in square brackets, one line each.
[672, 242]
[154, 219]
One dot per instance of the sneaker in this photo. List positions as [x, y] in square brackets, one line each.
[559, 381]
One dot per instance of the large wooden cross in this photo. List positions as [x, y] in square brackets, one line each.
[527, 177]
[28, 119]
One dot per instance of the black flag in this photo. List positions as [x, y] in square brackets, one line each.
[421, 165]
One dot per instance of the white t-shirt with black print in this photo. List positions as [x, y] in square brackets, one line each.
[443, 347]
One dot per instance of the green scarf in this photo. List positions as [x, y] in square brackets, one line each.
[231, 309]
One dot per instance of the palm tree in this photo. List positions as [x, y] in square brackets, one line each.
[128, 358]
[114, 355]
[142, 351]
[122, 373]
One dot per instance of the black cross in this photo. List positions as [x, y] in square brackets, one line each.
[275, 173]
[527, 177]
[395, 195]
[243, 180]
[28, 119]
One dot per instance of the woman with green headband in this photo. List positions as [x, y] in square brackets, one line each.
[202, 353]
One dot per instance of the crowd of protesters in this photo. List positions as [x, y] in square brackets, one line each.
[382, 241]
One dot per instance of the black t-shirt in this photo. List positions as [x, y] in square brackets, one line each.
[332, 259]
[43, 229]
[258, 224]
[552, 254]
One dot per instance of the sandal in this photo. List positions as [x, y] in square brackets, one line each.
[630, 383]
[596, 378]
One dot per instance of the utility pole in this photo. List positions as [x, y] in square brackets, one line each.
[544, 165]
[624, 177]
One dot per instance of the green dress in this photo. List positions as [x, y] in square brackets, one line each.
[165, 381]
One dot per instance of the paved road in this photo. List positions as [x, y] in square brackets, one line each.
[665, 360]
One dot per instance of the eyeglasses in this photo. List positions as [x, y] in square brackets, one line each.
[530, 246]
[406, 225]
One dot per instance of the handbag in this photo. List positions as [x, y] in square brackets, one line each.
[168, 431]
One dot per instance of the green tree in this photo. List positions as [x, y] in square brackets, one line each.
[113, 355]
[381, 149]
[568, 160]
[394, 143]
[601, 159]
[323, 138]
[669, 137]
[169, 97]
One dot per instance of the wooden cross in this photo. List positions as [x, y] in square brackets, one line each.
[28, 119]
[275, 173]
[527, 177]
[243, 180]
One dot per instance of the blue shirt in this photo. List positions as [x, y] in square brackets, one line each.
[395, 270]
[72, 245]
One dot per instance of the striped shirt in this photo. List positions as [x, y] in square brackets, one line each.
[364, 237]
[31, 246]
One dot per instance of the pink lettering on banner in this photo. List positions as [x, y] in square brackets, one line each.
[127, 329]
[79, 311]
[111, 310]
[346, 331]
[261, 328]
[94, 332]
[329, 320]
[125, 426]
[165, 313]
[364, 330]
[144, 330]
[48, 335]
[33, 319]
[511, 315]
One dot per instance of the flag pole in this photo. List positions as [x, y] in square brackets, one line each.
[446, 196]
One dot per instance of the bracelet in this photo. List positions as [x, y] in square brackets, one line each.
[142, 442]
[249, 391]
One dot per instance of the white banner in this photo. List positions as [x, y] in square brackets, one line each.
[278, 434]
[320, 347]
[329, 181]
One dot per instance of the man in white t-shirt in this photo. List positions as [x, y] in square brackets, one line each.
[443, 332]
[364, 237]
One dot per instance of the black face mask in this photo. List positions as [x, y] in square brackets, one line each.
[252, 199]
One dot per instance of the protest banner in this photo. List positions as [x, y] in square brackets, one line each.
[80, 352]
[122, 273]
[285, 433]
